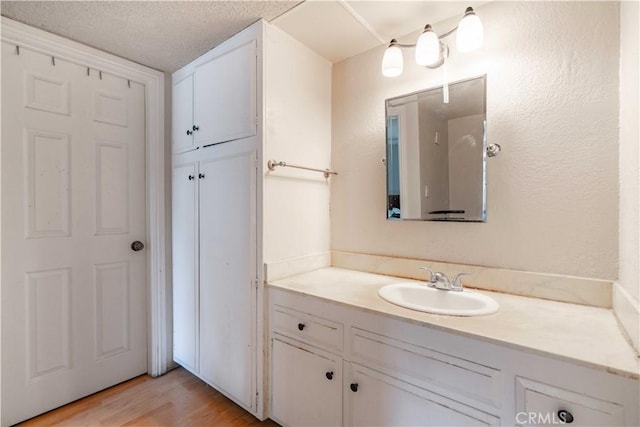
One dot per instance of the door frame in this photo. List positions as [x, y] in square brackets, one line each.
[159, 348]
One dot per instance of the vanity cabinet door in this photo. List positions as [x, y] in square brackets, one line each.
[306, 385]
[375, 399]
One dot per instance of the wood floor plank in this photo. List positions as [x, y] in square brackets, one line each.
[176, 399]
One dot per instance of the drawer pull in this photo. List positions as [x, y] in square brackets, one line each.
[354, 387]
[300, 326]
[329, 375]
[565, 416]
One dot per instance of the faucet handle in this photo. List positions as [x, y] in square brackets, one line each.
[457, 283]
[432, 275]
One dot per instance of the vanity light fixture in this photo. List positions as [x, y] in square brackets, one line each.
[431, 51]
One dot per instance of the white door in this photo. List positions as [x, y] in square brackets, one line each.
[228, 268]
[73, 197]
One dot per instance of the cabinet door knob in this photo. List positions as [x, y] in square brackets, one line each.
[300, 326]
[354, 387]
[189, 132]
[196, 128]
[200, 175]
[565, 416]
[329, 375]
[191, 177]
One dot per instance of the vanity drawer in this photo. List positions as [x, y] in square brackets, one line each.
[427, 368]
[307, 327]
[539, 404]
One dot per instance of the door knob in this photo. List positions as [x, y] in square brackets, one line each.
[137, 245]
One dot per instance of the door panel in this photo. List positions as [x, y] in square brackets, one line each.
[227, 269]
[47, 184]
[73, 197]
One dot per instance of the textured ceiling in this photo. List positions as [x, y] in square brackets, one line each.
[167, 35]
[164, 35]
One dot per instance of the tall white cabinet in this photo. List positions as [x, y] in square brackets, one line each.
[215, 214]
[260, 95]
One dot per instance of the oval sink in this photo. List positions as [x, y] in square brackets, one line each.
[420, 297]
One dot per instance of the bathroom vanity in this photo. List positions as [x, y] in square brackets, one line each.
[340, 355]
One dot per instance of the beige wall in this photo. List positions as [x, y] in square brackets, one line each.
[552, 103]
[626, 293]
[297, 131]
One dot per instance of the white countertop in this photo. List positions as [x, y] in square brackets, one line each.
[586, 335]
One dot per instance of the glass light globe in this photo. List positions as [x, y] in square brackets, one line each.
[428, 47]
[470, 32]
[392, 61]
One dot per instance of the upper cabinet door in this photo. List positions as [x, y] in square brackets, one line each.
[225, 96]
[182, 119]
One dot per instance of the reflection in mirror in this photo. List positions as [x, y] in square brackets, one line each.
[436, 154]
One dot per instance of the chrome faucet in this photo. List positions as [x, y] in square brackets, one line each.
[440, 281]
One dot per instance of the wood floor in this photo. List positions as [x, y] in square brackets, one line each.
[175, 399]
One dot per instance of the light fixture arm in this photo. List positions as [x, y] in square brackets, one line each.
[440, 37]
[444, 53]
[444, 48]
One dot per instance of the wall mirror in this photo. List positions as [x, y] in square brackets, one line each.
[436, 154]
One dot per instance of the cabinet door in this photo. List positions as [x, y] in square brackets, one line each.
[228, 270]
[182, 115]
[374, 399]
[185, 265]
[306, 386]
[225, 96]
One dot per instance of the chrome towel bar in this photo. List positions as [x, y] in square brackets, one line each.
[272, 165]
